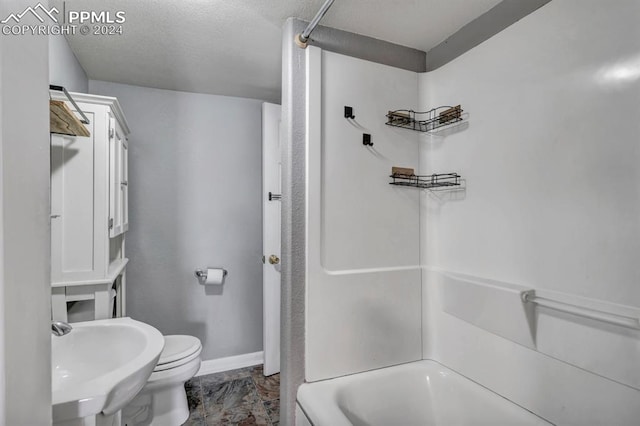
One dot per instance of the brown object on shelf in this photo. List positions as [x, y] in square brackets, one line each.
[398, 118]
[451, 114]
[62, 120]
[402, 171]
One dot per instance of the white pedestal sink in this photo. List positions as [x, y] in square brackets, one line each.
[99, 367]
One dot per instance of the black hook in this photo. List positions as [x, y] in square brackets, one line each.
[348, 112]
[366, 139]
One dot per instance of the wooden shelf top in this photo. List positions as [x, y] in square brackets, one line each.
[62, 120]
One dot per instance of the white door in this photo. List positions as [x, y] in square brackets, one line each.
[271, 236]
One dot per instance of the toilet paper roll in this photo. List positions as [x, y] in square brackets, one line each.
[215, 276]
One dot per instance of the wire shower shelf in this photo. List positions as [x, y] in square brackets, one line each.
[424, 121]
[439, 181]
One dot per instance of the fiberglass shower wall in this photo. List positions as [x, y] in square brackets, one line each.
[363, 276]
[551, 160]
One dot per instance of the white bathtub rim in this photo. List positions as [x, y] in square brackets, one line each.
[322, 405]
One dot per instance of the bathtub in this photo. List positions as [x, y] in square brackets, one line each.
[421, 393]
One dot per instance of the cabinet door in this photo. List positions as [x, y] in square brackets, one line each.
[115, 179]
[124, 185]
[77, 215]
[118, 181]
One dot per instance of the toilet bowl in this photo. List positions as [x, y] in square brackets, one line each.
[163, 400]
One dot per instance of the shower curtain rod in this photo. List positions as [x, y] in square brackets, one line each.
[302, 39]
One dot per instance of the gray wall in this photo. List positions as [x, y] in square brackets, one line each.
[195, 174]
[25, 310]
[64, 68]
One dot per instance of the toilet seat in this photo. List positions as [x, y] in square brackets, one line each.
[178, 363]
[178, 350]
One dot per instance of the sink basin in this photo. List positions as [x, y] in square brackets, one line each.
[101, 365]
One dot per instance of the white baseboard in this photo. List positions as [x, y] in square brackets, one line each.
[211, 366]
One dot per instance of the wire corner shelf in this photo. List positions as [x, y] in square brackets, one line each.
[426, 121]
[433, 181]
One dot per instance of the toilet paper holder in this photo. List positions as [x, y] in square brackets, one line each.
[202, 273]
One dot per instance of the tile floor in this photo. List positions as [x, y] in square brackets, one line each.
[240, 397]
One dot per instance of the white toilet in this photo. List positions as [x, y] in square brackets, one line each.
[163, 400]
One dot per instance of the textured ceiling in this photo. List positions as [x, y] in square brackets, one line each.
[233, 47]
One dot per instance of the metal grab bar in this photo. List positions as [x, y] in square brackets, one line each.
[529, 296]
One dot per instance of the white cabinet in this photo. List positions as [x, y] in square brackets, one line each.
[89, 203]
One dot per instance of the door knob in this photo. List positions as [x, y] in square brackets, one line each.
[274, 260]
